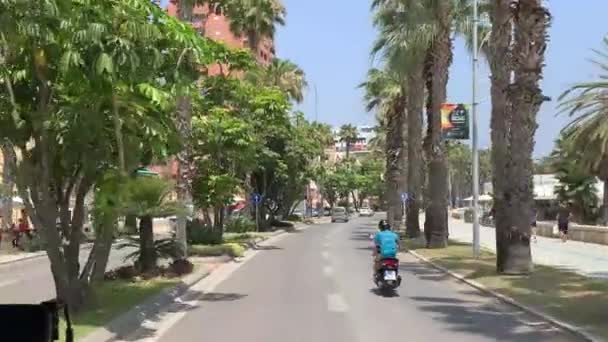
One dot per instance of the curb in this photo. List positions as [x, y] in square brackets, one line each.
[123, 324]
[506, 299]
[84, 246]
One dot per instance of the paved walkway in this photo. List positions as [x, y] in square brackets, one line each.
[584, 258]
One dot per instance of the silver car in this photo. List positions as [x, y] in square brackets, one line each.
[339, 214]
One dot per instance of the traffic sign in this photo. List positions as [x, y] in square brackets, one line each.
[256, 198]
[404, 197]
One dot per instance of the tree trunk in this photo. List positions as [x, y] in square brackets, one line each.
[531, 21]
[438, 188]
[131, 224]
[147, 256]
[499, 58]
[604, 214]
[184, 157]
[415, 105]
[8, 184]
[394, 143]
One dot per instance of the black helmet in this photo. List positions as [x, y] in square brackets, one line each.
[383, 225]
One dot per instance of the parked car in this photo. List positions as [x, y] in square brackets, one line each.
[339, 214]
[366, 212]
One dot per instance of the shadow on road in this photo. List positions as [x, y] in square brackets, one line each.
[267, 248]
[384, 293]
[221, 297]
[423, 272]
[475, 318]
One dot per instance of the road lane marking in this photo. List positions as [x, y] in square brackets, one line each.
[336, 303]
[8, 282]
[325, 255]
[326, 245]
[328, 271]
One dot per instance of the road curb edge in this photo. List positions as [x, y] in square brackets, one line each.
[506, 299]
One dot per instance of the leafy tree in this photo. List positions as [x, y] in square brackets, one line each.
[348, 134]
[78, 96]
[283, 74]
[255, 19]
[225, 149]
[147, 198]
[576, 184]
[587, 104]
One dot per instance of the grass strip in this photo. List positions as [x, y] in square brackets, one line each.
[565, 295]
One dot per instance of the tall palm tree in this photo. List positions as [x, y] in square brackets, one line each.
[516, 30]
[256, 19]
[588, 103]
[283, 74]
[383, 93]
[348, 135]
[405, 35]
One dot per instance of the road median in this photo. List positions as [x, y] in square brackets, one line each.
[566, 299]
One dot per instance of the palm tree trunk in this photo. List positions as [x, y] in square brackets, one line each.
[500, 46]
[531, 21]
[184, 157]
[147, 256]
[392, 170]
[438, 187]
[414, 150]
[8, 184]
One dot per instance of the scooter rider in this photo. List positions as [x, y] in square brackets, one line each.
[386, 244]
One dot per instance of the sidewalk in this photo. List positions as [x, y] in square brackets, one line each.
[587, 259]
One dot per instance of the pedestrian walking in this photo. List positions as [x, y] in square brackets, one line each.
[564, 214]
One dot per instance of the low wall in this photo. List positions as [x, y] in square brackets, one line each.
[576, 232]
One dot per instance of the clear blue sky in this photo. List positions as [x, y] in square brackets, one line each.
[330, 40]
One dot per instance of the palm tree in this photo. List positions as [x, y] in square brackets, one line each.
[405, 35]
[588, 104]
[147, 199]
[256, 19]
[383, 93]
[348, 135]
[283, 74]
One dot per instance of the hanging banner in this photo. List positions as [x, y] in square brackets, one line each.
[455, 121]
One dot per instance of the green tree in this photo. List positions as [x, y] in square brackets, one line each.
[348, 135]
[147, 198]
[383, 93]
[283, 74]
[586, 103]
[225, 148]
[75, 87]
[576, 184]
[255, 19]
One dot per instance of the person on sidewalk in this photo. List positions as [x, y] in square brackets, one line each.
[564, 215]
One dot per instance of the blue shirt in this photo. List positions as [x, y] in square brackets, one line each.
[387, 241]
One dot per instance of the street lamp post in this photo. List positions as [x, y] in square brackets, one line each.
[474, 143]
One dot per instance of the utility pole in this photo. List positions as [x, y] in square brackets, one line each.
[474, 143]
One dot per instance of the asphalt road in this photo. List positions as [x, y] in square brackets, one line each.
[316, 285]
[30, 281]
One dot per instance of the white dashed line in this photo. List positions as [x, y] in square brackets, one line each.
[336, 303]
[328, 271]
[325, 255]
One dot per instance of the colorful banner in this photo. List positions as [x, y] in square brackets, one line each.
[455, 121]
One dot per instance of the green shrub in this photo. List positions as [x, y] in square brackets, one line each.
[200, 234]
[282, 224]
[35, 244]
[240, 224]
[231, 249]
[294, 218]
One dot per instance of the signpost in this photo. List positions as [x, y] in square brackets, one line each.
[404, 198]
[455, 121]
[257, 199]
